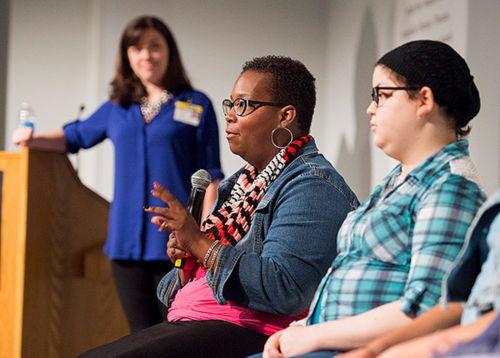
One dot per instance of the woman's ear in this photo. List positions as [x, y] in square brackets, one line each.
[287, 115]
[426, 102]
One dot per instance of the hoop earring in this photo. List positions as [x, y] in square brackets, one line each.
[272, 137]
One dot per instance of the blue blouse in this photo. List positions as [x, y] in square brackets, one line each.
[167, 150]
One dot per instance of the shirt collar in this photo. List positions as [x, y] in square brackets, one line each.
[434, 163]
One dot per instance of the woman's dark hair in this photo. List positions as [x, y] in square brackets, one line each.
[126, 88]
[438, 66]
[292, 83]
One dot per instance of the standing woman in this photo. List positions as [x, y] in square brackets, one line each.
[161, 129]
[395, 248]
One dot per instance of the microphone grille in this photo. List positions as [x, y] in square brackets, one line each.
[201, 179]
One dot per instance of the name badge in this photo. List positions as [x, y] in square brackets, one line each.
[188, 113]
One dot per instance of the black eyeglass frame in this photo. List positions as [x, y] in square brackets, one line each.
[227, 103]
[375, 90]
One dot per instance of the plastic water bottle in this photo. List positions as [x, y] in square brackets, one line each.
[26, 124]
[26, 116]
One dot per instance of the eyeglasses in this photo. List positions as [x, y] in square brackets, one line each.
[377, 95]
[240, 106]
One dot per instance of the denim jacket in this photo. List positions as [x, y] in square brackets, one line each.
[291, 242]
[475, 277]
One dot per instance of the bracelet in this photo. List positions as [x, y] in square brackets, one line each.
[209, 251]
[214, 257]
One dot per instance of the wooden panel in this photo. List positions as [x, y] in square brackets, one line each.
[12, 250]
[69, 301]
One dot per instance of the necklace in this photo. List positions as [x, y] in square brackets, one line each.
[149, 110]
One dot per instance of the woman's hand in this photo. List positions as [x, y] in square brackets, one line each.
[296, 340]
[272, 347]
[176, 219]
[22, 135]
[173, 250]
[175, 253]
[52, 141]
[289, 342]
[442, 342]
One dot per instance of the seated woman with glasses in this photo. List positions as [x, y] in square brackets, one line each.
[254, 265]
[395, 248]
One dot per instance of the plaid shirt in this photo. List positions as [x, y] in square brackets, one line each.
[400, 242]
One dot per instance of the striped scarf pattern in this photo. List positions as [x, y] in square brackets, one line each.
[232, 221]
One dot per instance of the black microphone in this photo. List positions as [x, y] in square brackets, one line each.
[199, 184]
[78, 115]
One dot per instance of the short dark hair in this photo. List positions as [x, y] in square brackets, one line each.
[126, 88]
[292, 83]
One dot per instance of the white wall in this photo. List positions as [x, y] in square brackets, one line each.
[61, 54]
[483, 55]
[358, 33]
[52, 64]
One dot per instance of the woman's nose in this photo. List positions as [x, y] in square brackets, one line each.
[230, 116]
[145, 53]
[372, 107]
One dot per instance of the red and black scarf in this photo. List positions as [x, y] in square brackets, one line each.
[232, 221]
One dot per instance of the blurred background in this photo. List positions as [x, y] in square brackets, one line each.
[59, 54]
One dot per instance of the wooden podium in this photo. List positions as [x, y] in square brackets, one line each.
[57, 296]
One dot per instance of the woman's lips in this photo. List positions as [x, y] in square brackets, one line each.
[230, 135]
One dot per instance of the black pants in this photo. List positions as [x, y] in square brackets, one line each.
[184, 339]
[136, 282]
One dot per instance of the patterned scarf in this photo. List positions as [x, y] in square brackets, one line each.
[231, 222]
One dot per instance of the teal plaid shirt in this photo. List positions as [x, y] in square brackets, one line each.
[399, 243]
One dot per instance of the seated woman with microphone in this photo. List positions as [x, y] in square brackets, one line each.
[253, 267]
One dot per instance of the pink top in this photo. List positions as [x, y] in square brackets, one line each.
[196, 302]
